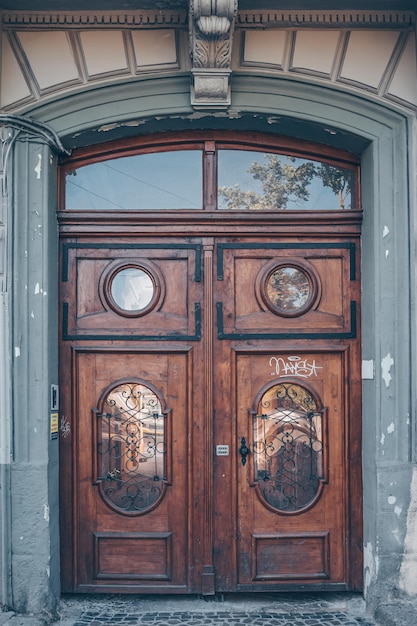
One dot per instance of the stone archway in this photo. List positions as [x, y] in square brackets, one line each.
[382, 136]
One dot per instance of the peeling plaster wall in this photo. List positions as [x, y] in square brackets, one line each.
[388, 337]
[34, 531]
[408, 576]
[7, 139]
[408, 571]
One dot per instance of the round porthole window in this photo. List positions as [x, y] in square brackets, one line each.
[289, 289]
[131, 290]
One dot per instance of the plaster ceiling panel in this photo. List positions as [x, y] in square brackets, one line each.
[104, 51]
[50, 56]
[367, 56]
[315, 50]
[404, 82]
[264, 47]
[154, 47]
[13, 84]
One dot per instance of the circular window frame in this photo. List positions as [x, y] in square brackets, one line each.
[294, 263]
[114, 269]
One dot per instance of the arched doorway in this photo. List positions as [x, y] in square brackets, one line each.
[208, 353]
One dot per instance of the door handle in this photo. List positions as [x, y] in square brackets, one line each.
[243, 450]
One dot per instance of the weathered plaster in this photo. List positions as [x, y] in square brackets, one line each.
[408, 573]
[386, 364]
[34, 572]
[370, 562]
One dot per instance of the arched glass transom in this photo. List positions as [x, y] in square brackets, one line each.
[131, 448]
[288, 447]
[212, 175]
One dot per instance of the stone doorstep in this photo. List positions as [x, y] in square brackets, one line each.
[11, 619]
[397, 613]
[4, 617]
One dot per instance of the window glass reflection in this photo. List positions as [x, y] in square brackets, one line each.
[259, 181]
[131, 447]
[132, 289]
[288, 447]
[288, 289]
[162, 180]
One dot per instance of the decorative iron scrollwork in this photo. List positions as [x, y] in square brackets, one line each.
[288, 447]
[131, 448]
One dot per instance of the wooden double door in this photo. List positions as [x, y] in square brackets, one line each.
[210, 423]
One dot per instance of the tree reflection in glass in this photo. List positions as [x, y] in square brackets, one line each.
[288, 289]
[281, 182]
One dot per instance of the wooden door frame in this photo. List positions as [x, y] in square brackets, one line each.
[76, 225]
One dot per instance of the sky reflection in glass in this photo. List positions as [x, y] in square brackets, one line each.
[162, 180]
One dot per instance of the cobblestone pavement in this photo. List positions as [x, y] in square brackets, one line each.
[231, 619]
[322, 610]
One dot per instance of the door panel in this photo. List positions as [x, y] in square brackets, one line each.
[90, 311]
[291, 492]
[286, 332]
[286, 390]
[131, 330]
[188, 355]
[139, 534]
[250, 269]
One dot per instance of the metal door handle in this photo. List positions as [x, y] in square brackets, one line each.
[244, 450]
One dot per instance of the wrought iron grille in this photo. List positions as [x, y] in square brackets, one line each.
[288, 447]
[131, 448]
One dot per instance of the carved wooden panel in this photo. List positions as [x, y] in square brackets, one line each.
[271, 302]
[309, 541]
[133, 556]
[134, 535]
[90, 309]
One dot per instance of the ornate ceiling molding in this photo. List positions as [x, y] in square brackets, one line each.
[328, 19]
[212, 15]
[89, 19]
[278, 42]
[212, 24]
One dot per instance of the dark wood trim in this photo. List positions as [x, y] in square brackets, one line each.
[197, 139]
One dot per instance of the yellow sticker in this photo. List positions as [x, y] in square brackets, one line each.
[54, 425]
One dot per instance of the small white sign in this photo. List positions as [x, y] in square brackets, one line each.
[222, 450]
[368, 370]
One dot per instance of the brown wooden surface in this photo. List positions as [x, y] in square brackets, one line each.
[211, 531]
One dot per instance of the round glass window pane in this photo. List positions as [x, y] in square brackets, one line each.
[288, 289]
[132, 289]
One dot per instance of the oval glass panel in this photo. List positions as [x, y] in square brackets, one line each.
[288, 447]
[131, 448]
[288, 289]
[132, 289]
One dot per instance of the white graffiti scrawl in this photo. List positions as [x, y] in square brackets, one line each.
[293, 366]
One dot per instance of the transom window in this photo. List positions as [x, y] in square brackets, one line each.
[210, 176]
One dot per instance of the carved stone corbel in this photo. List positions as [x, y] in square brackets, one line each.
[212, 24]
